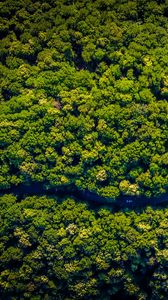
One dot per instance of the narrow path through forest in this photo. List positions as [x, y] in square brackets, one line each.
[89, 197]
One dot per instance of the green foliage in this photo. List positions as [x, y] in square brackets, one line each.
[49, 250]
[84, 95]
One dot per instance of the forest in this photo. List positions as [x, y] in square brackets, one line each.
[52, 249]
[83, 109]
[84, 95]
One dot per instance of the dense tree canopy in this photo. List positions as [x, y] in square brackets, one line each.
[52, 250]
[83, 104]
[84, 95]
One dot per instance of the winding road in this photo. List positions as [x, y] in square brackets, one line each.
[86, 195]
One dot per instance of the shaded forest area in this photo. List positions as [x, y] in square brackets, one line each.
[84, 95]
[61, 250]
